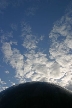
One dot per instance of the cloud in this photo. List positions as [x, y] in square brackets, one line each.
[34, 67]
[42, 37]
[26, 29]
[29, 39]
[29, 42]
[2, 82]
[5, 3]
[3, 88]
[14, 57]
[62, 27]
[5, 36]
[7, 51]
[13, 42]
[7, 72]
[14, 27]
[55, 69]
[12, 83]
[2, 85]
[61, 48]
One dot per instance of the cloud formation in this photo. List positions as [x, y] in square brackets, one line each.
[31, 66]
[30, 40]
[13, 57]
[2, 85]
[61, 48]
[14, 27]
[7, 72]
[34, 65]
[2, 82]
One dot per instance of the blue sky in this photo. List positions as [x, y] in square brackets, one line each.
[35, 42]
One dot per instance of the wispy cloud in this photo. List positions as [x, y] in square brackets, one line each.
[12, 83]
[26, 29]
[7, 72]
[2, 85]
[3, 88]
[5, 36]
[29, 39]
[2, 82]
[14, 27]
[5, 3]
[42, 37]
[29, 42]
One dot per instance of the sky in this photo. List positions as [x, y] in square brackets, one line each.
[35, 42]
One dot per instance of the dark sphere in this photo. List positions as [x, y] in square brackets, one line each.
[36, 95]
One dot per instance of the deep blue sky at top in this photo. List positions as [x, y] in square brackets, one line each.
[46, 12]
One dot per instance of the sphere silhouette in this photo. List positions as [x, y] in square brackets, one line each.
[36, 95]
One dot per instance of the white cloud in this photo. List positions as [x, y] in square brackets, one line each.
[62, 27]
[29, 42]
[7, 72]
[2, 82]
[38, 67]
[13, 42]
[5, 36]
[42, 37]
[14, 57]
[2, 85]
[35, 67]
[61, 48]
[68, 41]
[7, 50]
[3, 88]
[12, 83]
[55, 70]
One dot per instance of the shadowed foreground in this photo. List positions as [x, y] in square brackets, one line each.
[36, 95]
